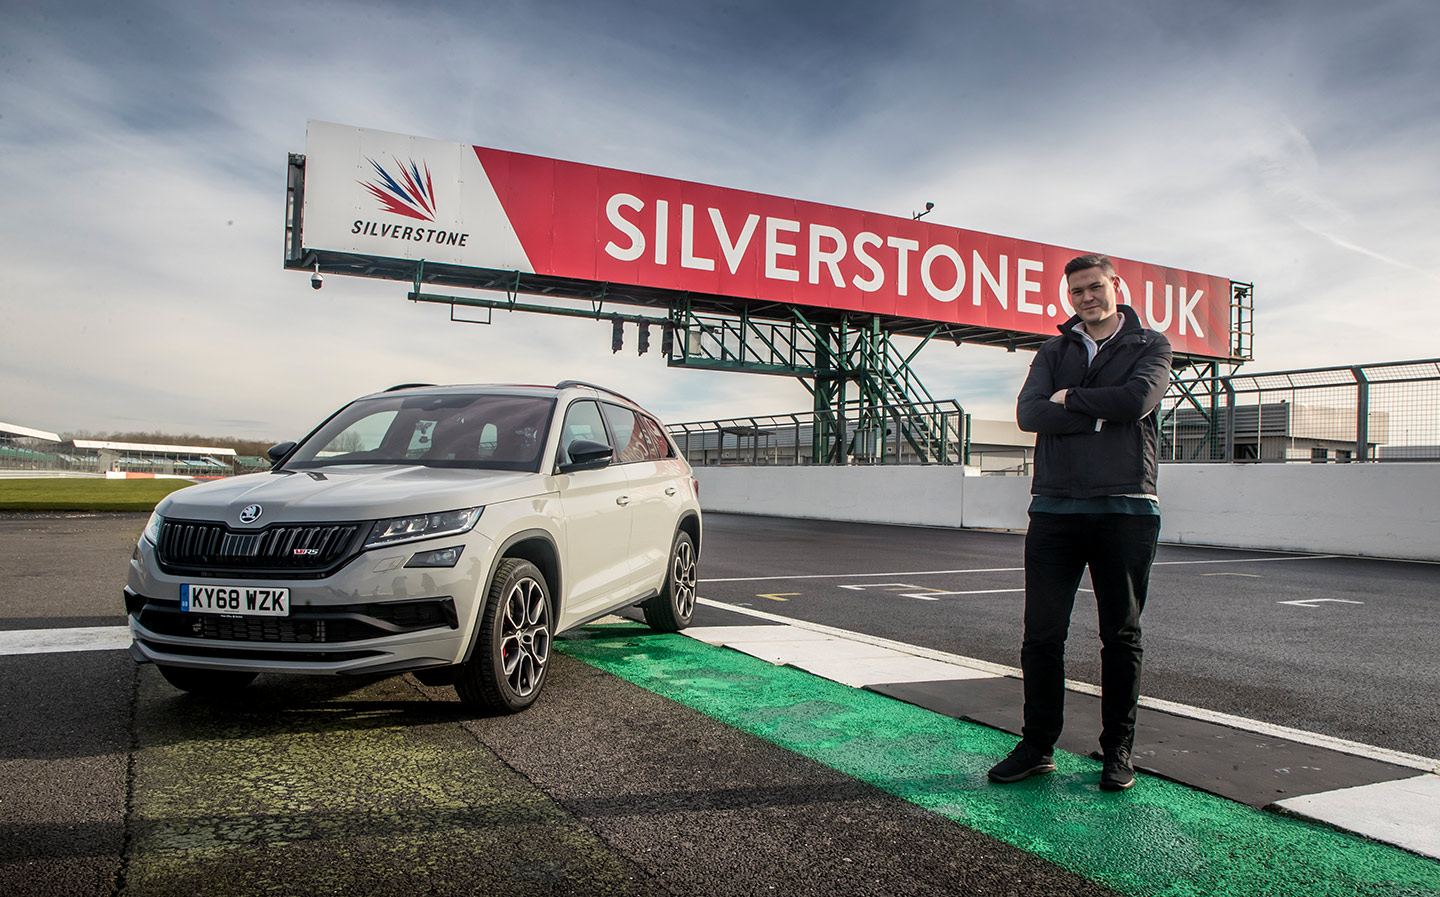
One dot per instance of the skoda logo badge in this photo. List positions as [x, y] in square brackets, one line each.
[250, 514]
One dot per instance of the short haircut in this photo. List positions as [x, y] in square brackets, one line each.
[1081, 262]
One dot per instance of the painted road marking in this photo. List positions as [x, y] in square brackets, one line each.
[837, 659]
[1160, 838]
[1308, 557]
[923, 593]
[1251, 575]
[1354, 748]
[1316, 602]
[779, 596]
[49, 641]
[1405, 812]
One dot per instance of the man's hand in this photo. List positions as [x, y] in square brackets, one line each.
[1059, 397]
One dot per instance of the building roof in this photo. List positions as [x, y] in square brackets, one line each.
[16, 430]
[153, 449]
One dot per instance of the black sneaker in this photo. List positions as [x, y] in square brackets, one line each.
[1118, 774]
[1023, 762]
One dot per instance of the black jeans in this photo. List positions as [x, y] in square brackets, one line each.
[1119, 548]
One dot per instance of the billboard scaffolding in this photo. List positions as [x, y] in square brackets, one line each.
[739, 280]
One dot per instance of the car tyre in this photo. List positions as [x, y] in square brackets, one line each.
[507, 667]
[671, 610]
[206, 682]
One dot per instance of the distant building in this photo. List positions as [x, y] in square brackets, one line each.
[181, 460]
[1273, 431]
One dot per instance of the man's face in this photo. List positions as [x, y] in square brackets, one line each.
[1092, 294]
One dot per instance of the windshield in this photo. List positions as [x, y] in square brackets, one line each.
[474, 431]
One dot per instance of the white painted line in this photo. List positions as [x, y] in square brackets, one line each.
[840, 660]
[865, 575]
[980, 666]
[1300, 736]
[931, 595]
[1307, 557]
[1316, 602]
[47, 641]
[730, 635]
[1405, 813]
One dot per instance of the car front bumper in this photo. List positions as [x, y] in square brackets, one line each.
[373, 615]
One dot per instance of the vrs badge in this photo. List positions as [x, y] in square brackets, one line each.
[250, 513]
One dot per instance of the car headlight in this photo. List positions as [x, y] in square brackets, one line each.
[422, 526]
[152, 528]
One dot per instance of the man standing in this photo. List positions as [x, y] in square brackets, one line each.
[1091, 397]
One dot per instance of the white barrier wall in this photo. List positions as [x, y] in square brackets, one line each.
[1375, 510]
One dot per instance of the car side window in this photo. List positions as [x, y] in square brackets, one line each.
[582, 421]
[622, 424]
[652, 436]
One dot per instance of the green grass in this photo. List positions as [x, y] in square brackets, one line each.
[87, 494]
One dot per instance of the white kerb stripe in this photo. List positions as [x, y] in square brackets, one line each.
[49, 641]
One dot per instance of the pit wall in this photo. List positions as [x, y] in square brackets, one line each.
[1371, 510]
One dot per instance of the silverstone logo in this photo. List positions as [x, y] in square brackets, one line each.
[409, 192]
[411, 195]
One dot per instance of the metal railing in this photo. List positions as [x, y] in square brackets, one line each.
[790, 439]
[1371, 412]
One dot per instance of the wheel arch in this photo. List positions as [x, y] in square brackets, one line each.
[536, 546]
[690, 523]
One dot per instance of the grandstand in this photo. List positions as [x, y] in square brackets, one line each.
[159, 460]
[25, 448]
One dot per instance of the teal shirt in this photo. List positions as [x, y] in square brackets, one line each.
[1104, 504]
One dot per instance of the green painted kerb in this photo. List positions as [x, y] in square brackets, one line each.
[1159, 838]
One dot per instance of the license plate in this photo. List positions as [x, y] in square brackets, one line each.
[250, 601]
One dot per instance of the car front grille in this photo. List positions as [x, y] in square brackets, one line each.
[349, 623]
[304, 550]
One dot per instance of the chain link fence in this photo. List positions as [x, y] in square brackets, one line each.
[1373, 412]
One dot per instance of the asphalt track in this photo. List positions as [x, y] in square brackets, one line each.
[654, 765]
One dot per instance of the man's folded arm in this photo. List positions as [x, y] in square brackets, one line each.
[1131, 400]
[1034, 411]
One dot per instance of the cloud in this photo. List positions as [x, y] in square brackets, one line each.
[143, 147]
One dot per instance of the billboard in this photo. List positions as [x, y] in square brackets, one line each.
[389, 195]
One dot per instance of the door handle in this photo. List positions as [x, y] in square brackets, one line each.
[623, 500]
[669, 490]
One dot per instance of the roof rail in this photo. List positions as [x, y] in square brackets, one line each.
[408, 386]
[565, 384]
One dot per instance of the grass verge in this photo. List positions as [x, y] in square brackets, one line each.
[87, 494]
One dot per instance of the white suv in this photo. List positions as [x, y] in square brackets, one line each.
[447, 531]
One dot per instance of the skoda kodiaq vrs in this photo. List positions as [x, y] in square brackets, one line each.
[451, 532]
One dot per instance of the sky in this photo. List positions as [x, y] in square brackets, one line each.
[143, 150]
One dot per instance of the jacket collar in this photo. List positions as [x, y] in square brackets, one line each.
[1129, 320]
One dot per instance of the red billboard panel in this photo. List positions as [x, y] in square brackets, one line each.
[499, 209]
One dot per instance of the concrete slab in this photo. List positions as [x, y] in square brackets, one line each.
[1405, 812]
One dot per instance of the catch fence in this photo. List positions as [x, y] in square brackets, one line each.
[1371, 412]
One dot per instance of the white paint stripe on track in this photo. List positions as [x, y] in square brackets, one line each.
[1300, 736]
[1307, 557]
[48, 641]
[837, 659]
[1405, 813]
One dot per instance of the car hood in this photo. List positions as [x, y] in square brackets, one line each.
[349, 492]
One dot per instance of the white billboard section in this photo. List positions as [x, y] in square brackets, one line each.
[382, 194]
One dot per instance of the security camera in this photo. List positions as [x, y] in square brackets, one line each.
[316, 281]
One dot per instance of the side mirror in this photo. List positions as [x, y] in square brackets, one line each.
[277, 452]
[587, 455]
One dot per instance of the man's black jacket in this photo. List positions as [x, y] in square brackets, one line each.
[1123, 387]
